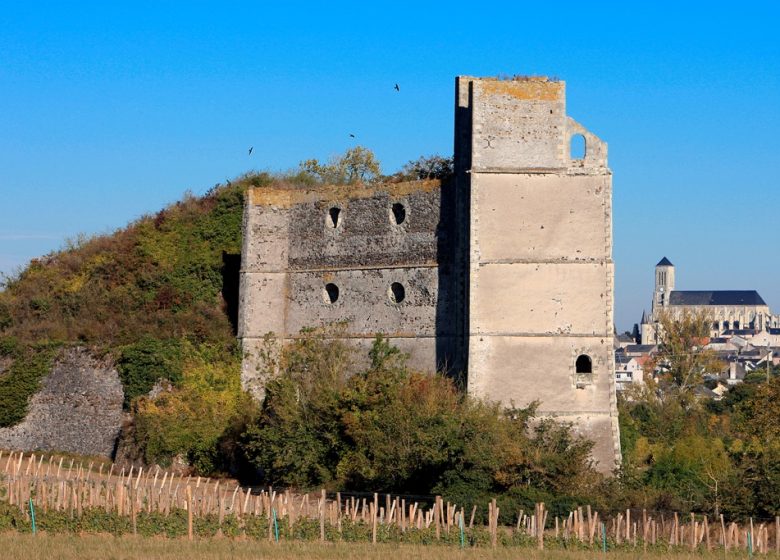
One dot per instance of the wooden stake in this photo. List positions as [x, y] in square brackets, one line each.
[322, 515]
[373, 518]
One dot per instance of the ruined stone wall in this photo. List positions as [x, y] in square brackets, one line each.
[77, 410]
[540, 281]
[380, 259]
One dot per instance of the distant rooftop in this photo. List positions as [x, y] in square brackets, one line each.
[643, 348]
[719, 297]
[664, 262]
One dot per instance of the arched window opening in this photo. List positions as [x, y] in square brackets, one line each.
[333, 218]
[397, 292]
[715, 326]
[577, 147]
[330, 293]
[736, 325]
[584, 364]
[725, 325]
[399, 213]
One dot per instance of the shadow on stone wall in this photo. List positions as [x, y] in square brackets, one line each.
[231, 268]
[451, 305]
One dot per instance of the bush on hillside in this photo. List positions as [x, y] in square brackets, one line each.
[27, 366]
[197, 418]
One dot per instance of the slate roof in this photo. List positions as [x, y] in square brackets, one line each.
[719, 297]
[639, 348]
[664, 262]
[740, 332]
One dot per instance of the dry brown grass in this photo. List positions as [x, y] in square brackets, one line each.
[71, 547]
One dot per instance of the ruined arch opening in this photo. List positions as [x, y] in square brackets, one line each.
[399, 213]
[584, 364]
[577, 147]
[330, 294]
[333, 217]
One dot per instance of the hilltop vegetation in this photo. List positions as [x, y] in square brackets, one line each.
[156, 297]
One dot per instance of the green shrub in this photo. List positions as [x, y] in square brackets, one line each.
[142, 364]
[390, 429]
[29, 365]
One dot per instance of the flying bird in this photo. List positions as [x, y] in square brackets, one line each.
[397, 87]
[251, 149]
[351, 135]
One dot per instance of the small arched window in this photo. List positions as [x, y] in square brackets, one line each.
[584, 364]
[397, 292]
[330, 294]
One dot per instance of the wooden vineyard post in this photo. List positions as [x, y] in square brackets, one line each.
[373, 518]
[492, 522]
[723, 533]
[540, 526]
[338, 512]
[322, 515]
[777, 534]
[189, 512]
[436, 515]
[133, 512]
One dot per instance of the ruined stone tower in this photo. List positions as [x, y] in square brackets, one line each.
[540, 270]
[505, 273]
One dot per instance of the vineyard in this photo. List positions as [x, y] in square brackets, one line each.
[41, 494]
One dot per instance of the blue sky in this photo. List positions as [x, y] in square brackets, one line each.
[111, 110]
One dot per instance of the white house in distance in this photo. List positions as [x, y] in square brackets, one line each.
[628, 370]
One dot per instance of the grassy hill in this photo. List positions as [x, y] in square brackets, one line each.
[159, 296]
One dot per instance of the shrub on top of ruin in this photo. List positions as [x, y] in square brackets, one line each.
[356, 165]
[428, 167]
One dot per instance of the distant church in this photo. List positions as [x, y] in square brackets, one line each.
[729, 310]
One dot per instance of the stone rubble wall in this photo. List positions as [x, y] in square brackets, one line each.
[77, 410]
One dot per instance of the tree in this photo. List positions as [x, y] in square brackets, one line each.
[682, 357]
[356, 165]
[430, 167]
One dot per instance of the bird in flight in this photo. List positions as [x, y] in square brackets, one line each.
[397, 87]
[351, 135]
[251, 149]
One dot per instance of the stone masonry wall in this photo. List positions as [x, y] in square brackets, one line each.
[379, 258]
[77, 410]
[540, 279]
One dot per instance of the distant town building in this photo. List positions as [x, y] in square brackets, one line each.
[732, 312]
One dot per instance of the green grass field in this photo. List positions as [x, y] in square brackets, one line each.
[70, 547]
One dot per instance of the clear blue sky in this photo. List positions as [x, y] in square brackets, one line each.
[111, 110]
